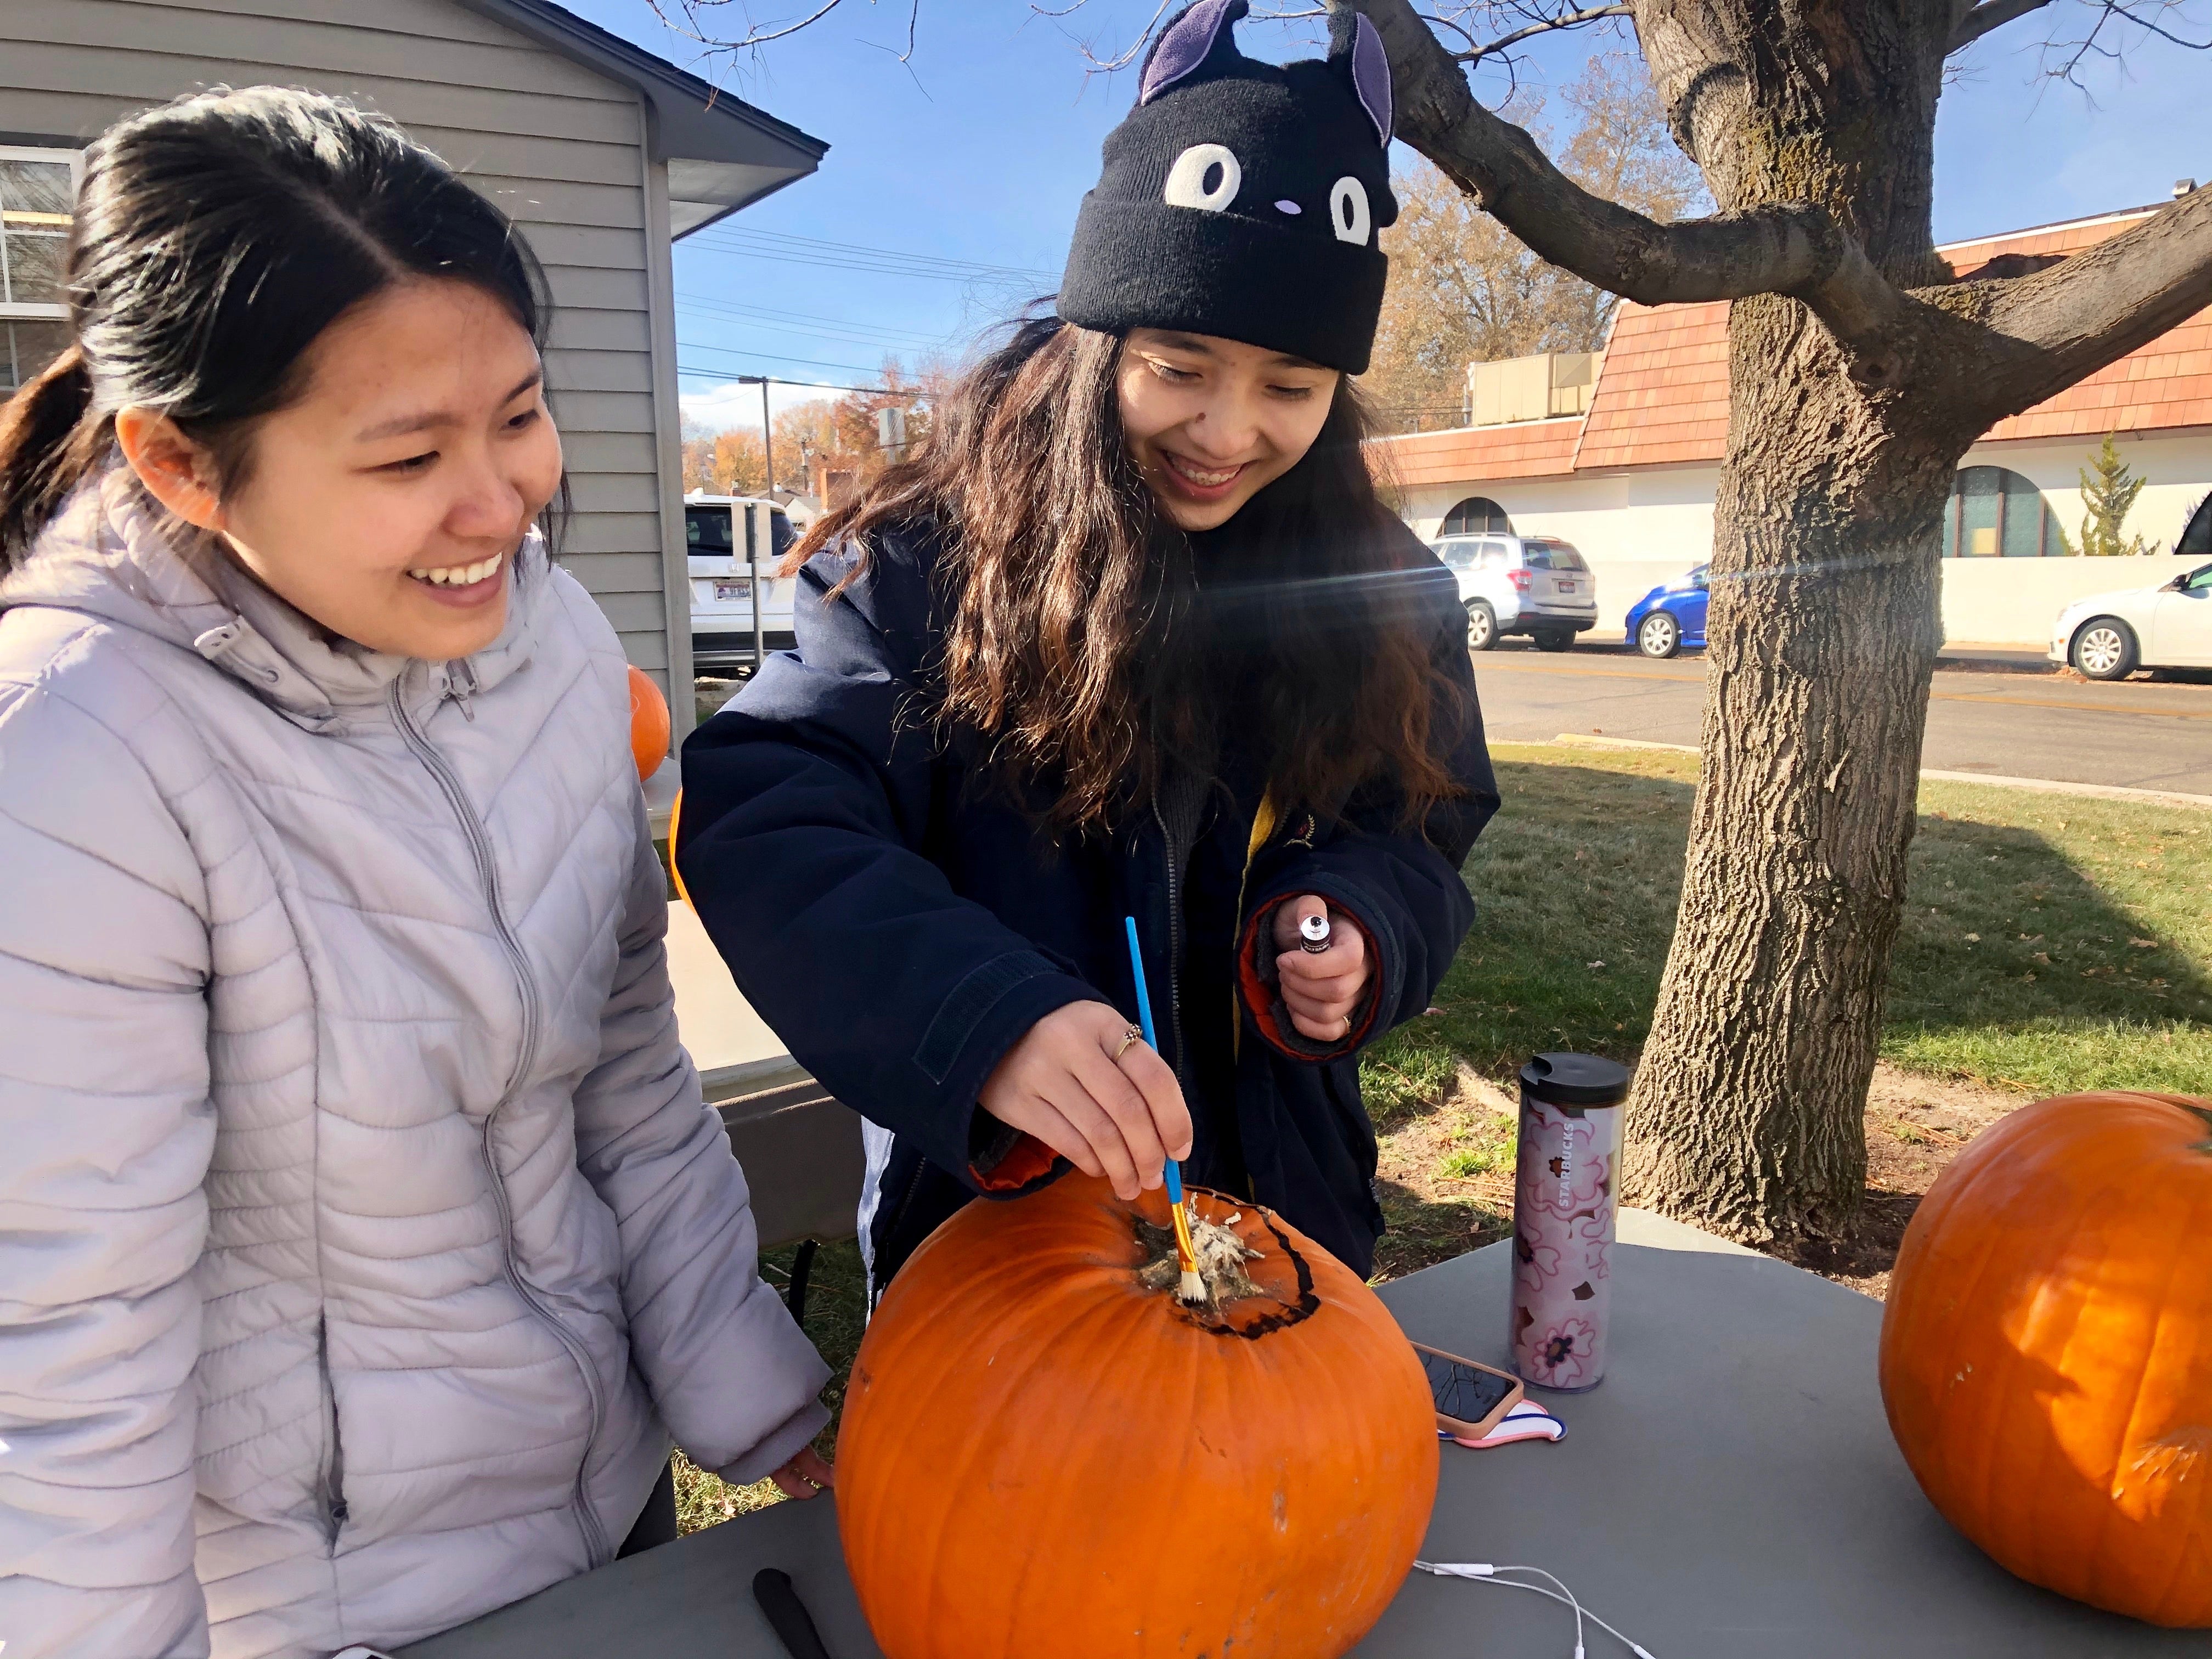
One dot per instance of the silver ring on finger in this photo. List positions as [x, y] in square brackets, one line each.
[1130, 1038]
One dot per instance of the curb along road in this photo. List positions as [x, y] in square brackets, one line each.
[2044, 785]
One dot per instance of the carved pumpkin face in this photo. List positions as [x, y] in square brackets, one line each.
[1045, 1452]
[2046, 1351]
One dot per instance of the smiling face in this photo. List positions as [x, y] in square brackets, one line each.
[388, 502]
[1212, 422]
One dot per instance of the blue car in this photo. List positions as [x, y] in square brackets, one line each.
[1669, 617]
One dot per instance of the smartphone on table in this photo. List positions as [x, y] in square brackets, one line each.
[1471, 1398]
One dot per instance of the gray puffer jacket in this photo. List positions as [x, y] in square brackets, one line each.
[363, 1240]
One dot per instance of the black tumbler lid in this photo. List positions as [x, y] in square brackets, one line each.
[1575, 1080]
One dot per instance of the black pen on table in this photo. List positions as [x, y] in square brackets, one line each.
[787, 1614]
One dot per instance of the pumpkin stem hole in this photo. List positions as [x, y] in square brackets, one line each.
[1221, 1258]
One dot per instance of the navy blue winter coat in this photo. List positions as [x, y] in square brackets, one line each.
[901, 929]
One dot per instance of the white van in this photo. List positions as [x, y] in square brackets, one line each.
[1533, 585]
[721, 531]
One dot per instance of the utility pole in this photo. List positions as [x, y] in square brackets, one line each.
[768, 443]
[768, 431]
[766, 523]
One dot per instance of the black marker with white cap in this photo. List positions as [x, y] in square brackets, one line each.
[1313, 934]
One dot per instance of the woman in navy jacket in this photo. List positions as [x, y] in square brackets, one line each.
[1131, 636]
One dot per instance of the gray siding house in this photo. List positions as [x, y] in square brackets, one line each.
[602, 152]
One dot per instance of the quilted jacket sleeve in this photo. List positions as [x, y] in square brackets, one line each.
[732, 1376]
[108, 1131]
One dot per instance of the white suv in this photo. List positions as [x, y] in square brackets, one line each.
[721, 531]
[1533, 585]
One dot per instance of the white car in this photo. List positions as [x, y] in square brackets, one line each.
[2109, 635]
[1533, 585]
[722, 532]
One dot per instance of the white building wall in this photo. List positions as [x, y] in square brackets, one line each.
[2014, 601]
[1638, 529]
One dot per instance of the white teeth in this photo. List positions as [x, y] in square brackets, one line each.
[1205, 478]
[460, 576]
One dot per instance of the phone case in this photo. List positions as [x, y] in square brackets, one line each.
[1456, 1427]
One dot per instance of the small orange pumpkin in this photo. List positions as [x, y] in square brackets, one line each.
[2046, 1351]
[1045, 1452]
[648, 723]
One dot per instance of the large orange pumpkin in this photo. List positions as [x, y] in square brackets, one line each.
[648, 723]
[2046, 1352]
[1044, 1452]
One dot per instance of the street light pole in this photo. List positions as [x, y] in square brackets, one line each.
[768, 443]
[766, 525]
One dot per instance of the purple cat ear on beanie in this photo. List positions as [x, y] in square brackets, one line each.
[1187, 43]
[1370, 75]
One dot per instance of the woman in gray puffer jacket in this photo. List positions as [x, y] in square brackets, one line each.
[364, 1242]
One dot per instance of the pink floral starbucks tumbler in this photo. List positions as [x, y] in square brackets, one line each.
[1563, 1214]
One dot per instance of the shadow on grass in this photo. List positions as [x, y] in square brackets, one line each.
[1421, 1231]
[1575, 886]
[2049, 943]
[2055, 948]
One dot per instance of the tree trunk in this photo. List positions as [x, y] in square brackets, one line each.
[1748, 1111]
[1860, 373]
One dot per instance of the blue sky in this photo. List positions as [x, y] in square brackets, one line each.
[979, 149]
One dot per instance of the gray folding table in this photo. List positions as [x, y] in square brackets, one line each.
[1730, 1492]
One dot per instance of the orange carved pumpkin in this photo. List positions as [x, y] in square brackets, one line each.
[1045, 1452]
[648, 723]
[2046, 1352]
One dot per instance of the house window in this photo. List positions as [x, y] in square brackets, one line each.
[1994, 513]
[1477, 515]
[38, 192]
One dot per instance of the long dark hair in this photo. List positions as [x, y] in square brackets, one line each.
[1089, 643]
[215, 240]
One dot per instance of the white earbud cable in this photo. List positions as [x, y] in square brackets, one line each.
[1483, 1571]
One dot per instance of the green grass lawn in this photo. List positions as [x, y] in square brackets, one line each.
[2050, 943]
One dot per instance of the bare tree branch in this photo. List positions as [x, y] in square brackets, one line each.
[1795, 249]
[1565, 20]
[2114, 14]
[1523, 19]
[1991, 14]
[1120, 59]
[2046, 332]
[754, 35]
[2069, 56]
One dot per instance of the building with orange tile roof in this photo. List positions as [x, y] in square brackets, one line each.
[1631, 481]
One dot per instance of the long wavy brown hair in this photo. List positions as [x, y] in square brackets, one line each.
[1089, 643]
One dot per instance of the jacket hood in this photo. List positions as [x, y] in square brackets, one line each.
[108, 555]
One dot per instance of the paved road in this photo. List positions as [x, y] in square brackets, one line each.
[2139, 734]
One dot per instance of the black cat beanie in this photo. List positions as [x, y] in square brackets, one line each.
[1244, 199]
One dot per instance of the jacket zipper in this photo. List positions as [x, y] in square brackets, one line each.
[1175, 947]
[890, 1233]
[595, 1540]
[334, 1502]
